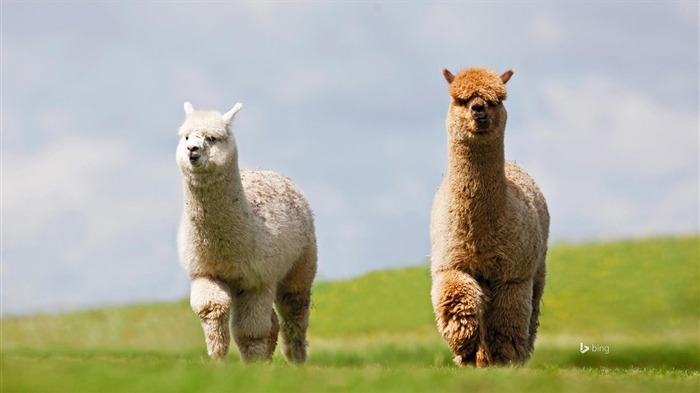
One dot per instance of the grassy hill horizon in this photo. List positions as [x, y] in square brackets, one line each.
[639, 298]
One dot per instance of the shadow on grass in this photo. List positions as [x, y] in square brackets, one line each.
[383, 355]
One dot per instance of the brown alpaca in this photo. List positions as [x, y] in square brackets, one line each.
[489, 228]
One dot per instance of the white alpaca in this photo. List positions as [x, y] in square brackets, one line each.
[247, 240]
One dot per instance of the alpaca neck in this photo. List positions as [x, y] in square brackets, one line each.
[215, 203]
[476, 175]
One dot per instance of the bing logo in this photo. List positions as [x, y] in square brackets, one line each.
[594, 348]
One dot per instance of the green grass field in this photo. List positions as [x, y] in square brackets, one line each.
[641, 299]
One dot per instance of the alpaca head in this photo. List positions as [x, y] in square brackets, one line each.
[476, 112]
[206, 143]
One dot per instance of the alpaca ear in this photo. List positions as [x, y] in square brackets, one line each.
[228, 116]
[448, 75]
[506, 75]
[189, 109]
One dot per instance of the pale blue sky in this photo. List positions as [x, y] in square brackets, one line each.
[345, 98]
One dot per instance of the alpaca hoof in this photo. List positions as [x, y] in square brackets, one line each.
[295, 353]
[217, 356]
[463, 361]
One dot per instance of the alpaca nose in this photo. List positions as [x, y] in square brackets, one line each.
[194, 152]
[479, 110]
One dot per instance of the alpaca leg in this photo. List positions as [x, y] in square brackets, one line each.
[274, 334]
[458, 301]
[255, 325]
[294, 313]
[211, 300]
[508, 323]
[537, 291]
[293, 303]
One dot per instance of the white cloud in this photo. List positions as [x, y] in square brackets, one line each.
[620, 162]
[56, 120]
[30, 62]
[197, 87]
[677, 212]
[56, 179]
[621, 129]
[547, 28]
[405, 188]
[341, 227]
[407, 194]
[686, 10]
[95, 217]
[98, 179]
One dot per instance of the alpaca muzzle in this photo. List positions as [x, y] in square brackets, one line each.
[194, 153]
[478, 110]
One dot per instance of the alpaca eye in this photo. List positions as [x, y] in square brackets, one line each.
[212, 139]
[461, 102]
[187, 137]
[492, 103]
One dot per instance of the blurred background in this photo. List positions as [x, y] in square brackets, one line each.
[345, 98]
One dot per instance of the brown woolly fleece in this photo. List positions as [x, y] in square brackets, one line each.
[477, 82]
[489, 229]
